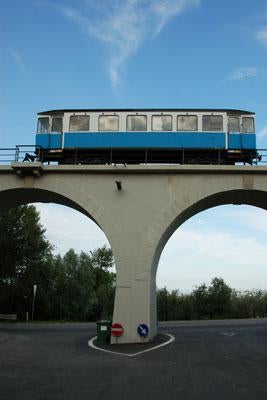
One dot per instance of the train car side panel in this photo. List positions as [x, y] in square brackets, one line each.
[49, 140]
[242, 141]
[153, 140]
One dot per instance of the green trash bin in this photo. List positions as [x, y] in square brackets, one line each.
[103, 329]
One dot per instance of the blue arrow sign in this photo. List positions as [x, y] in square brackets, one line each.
[142, 330]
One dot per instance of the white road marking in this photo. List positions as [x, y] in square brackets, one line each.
[171, 339]
[230, 334]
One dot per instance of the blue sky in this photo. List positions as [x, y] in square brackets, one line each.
[135, 53]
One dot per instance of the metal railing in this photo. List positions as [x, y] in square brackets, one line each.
[19, 153]
[8, 317]
[262, 157]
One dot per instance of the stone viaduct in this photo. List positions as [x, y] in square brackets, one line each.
[138, 208]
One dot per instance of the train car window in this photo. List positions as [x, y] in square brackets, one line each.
[233, 124]
[248, 125]
[136, 123]
[56, 124]
[79, 123]
[161, 122]
[43, 125]
[212, 123]
[187, 123]
[108, 123]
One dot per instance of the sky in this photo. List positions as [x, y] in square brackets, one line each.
[143, 54]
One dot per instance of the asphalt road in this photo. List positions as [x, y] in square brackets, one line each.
[221, 360]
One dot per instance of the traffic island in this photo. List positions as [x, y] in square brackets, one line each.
[132, 349]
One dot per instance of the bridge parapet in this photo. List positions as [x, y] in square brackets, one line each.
[134, 169]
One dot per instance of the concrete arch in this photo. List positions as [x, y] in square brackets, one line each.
[68, 197]
[255, 198]
[174, 215]
[15, 197]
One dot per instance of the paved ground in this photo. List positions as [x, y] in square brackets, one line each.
[221, 360]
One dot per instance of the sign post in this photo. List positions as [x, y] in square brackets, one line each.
[33, 299]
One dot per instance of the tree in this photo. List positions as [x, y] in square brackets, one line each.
[174, 306]
[23, 254]
[163, 304]
[79, 297]
[201, 301]
[77, 287]
[102, 260]
[83, 288]
[219, 298]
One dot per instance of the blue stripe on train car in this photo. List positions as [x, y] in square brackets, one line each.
[49, 140]
[152, 140]
[242, 141]
[145, 139]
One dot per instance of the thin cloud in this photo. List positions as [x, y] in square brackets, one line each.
[262, 36]
[77, 231]
[248, 218]
[124, 25]
[18, 60]
[243, 73]
[165, 10]
[239, 259]
[263, 132]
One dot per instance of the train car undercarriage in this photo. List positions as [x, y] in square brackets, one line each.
[148, 156]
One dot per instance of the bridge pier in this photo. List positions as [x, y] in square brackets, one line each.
[135, 299]
[140, 300]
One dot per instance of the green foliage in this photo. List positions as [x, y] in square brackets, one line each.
[82, 288]
[200, 297]
[219, 296]
[249, 304]
[211, 302]
[174, 306]
[24, 252]
[22, 242]
[77, 287]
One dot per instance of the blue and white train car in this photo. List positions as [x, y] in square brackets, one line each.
[190, 136]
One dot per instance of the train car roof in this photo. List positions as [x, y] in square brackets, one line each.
[113, 110]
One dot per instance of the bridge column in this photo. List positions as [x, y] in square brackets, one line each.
[135, 299]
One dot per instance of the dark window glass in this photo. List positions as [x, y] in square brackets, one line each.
[56, 124]
[187, 123]
[212, 123]
[248, 125]
[161, 122]
[108, 123]
[43, 125]
[136, 123]
[233, 124]
[79, 123]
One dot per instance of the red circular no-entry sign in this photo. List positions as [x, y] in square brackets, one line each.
[117, 330]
